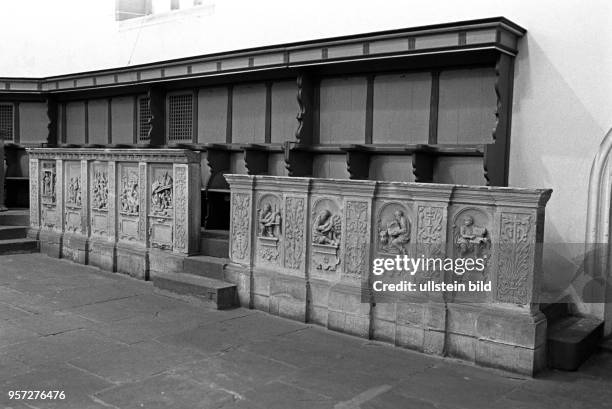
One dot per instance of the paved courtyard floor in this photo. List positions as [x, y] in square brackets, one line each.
[109, 341]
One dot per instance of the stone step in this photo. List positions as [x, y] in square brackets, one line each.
[13, 232]
[205, 266]
[223, 294]
[571, 340]
[215, 244]
[17, 246]
[14, 217]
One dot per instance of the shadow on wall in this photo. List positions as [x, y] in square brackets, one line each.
[548, 118]
[567, 277]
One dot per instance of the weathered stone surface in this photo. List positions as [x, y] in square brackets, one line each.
[50, 243]
[349, 222]
[523, 330]
[102, 254]
[123, 186]
[75, 247]
[288, 297]
[510, 357]
[132, 260]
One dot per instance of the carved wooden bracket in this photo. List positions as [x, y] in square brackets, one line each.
[218, 160]
[298, 160]
[255, 160]
[423, 161]
[357, 162]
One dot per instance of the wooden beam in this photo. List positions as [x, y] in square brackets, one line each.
[230, 107]
[434, 106]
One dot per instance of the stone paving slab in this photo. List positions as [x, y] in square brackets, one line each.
[110, 341]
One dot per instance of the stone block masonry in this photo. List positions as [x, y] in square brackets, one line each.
[109, 207]
[303, 248]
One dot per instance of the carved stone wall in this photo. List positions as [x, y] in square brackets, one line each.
[304, 248]
[114, 203]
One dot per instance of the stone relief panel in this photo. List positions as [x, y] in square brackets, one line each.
[515, 257]
[48, 182]
[129, 202]
[161, 207]
[99, 187]
[49, 216]
[394, 228]
[34, 193]
[472, 234]
[74, 189]
[73, 194]
[161, 193]
[471, 239]
[269, 225]
[180, 213]
[431, 237]
[295, 234]
[99, 198]
[241, 218]
[112, 201]
[326, 235]
[357, 237]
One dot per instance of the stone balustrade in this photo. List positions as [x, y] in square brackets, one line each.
[107, 207]
[303, 248]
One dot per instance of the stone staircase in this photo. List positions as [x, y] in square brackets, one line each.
[201, 275]
[571, 338]
[13, 232]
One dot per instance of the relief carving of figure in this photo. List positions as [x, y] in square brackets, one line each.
[327, 229]
[99, 191]
[161, 194]
[269, 221]
[48, 185]
[472, 238]
[74, 191]
[129, 195]
[396, 233]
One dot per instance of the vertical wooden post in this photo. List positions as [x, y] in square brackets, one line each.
[497, 155]
[52, 125]
[2, 175]
[157, 105]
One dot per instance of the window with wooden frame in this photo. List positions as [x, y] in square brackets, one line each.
[144, 116]
[180, 117]
[7, 121]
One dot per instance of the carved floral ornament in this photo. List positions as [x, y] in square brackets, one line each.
[294, 231]
[241, 205]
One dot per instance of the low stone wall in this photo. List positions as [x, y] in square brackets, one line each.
[107, 207]
[303, 248]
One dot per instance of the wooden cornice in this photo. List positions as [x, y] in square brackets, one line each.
[461, 39]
